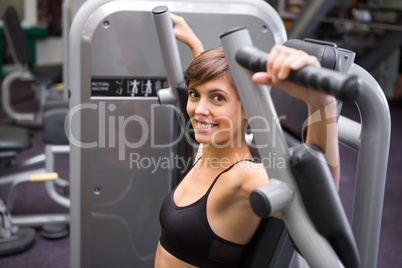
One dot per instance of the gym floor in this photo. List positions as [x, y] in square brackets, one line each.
[32, 198]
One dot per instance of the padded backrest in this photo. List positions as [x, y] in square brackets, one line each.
[322, 201]
[270, 246]
[16, 37]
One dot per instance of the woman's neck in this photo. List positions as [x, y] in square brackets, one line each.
[215, 156]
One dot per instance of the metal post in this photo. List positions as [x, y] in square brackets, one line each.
[306, 23]
[50, 151]
[372, 167]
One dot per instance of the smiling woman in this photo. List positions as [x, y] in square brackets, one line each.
[207, 220]
[207, 204]
[213, 103]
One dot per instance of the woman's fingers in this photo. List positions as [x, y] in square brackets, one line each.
[282, 59]
[261, 78]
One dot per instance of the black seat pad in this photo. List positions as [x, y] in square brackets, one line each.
[53, 72]
[14, 138]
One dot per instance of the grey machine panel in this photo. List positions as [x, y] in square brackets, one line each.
[122, 161]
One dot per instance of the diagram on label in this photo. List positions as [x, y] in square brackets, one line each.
[130, 87]
[133, 87]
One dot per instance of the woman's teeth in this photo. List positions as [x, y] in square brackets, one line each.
[202, 125]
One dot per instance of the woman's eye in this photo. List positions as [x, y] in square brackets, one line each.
[192, 95]
[219, 98]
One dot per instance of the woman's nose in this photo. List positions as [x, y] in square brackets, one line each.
[202, 108]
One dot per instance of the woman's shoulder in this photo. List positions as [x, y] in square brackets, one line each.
[251, 175]
[248, 167]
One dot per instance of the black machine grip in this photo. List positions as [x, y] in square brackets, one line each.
[342, 86]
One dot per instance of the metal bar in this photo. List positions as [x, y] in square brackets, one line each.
[375, 25]
[65, 26]
[11, 178]
[372, 167]
[35, 160]
[13, 192]
[50, 186]
[6, 99]
[78, 249]
[38, 220]
[349, 132]
[373, 56]
[305, 24]
[169, 49]
[60, 149]
[378, 8]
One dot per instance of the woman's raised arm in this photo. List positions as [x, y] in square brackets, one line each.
[322, 109]
[185, 34]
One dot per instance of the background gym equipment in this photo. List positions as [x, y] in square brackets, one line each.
[69, 9]
[108, 196]
[45, 77]
[16, 232]
[14, 239]
[13, 140]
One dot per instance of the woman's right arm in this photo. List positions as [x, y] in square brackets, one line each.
[322, 109]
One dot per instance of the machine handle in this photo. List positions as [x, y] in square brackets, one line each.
[169, 50]
[342, 86]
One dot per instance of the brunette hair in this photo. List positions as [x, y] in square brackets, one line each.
[207, 66]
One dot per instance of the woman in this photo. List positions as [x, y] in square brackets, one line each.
[207, 220]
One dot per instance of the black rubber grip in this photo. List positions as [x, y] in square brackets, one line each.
[260, 203]
[342, 86]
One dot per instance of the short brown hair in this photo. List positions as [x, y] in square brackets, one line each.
[207, 66]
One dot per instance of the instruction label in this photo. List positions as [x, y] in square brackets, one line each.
[127, 87]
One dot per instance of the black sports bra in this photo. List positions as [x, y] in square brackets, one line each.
[187, 235]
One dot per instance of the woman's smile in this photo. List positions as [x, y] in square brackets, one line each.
[203, 126]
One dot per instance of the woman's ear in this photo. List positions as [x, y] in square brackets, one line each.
[244, 116]
[247, 128]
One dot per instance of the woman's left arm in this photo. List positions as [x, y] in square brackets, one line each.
[322, 108]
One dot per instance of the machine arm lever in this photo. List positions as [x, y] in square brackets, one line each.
[342, 86]
[323, 204]
[171, 57]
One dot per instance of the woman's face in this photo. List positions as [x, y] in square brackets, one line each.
[216, 113]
